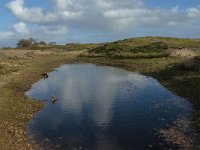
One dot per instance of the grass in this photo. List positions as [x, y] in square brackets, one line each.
[126, 55]
[67, 47]
[180, 75]
[171, 42]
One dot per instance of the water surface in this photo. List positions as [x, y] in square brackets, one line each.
[103, 108]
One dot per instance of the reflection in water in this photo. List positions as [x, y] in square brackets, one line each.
[103, 108]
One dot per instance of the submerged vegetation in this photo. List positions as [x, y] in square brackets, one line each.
[174, 62]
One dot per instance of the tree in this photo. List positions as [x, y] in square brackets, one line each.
[42, 43]
[24, 43]
[52, 43]
[33, 41]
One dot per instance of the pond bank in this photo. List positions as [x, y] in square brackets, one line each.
[15, 109]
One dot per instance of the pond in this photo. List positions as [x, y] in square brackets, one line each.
[103, 108]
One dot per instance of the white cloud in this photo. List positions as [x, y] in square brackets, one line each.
[193, 12]
[34, 15]
[102, 14]
[55, 30]
[63, 4]
[20, 28]
[6, 35]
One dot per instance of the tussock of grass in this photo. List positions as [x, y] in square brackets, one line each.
[7, 69]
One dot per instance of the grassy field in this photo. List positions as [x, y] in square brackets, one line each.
[174, 62]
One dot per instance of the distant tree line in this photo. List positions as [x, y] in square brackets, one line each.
[25, 43]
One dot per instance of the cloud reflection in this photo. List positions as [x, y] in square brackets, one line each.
[76, 85]
[100, 104]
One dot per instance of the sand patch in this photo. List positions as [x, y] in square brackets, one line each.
[183, 52]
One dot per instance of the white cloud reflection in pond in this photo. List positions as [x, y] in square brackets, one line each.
[103, 107]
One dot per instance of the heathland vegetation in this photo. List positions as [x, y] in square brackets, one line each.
[174, 62]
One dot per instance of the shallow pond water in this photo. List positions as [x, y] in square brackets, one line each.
[103, 108]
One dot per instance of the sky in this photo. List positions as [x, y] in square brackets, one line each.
[91, 21]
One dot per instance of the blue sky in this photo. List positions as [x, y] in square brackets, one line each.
[184, 4]
[89, 21]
